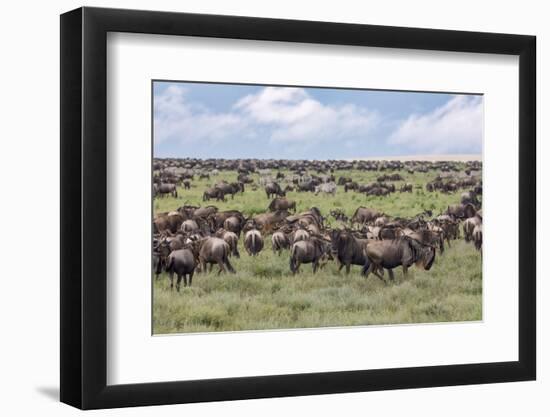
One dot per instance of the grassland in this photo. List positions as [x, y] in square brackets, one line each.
[263, 294]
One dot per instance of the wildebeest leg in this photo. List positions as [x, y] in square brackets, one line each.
[171, 280]
[405, 271]
[178, 282]
[190, 278]
[390, 273]
[222, 267]
[348, 268]
[228, 266]
[340, 267]
[367, 271]
[315, 264]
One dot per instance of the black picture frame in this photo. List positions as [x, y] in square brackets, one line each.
[84, 207]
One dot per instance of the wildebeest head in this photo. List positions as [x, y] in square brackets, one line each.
[423, 254]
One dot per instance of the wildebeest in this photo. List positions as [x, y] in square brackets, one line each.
[306, 186]
[204, 212]
[213, 192]
[339, 215]
[214, 250]
[364, 215]
[468, 227]
[404, 251]
[433, 237]
[300, 234]
[189, 226]
[349, 249]
[350, 186]
[273, 189]
[234, 224]
[167, 222]
[182, 263]
[267, 221]
[279, 241]
[406, 188]
[231, 189]
[478, 236]
[186, 185]
[461, 211]
[253, 242]
[282, 204]
[469, 198]
[315, 251]
[232, 240]
[164, 189]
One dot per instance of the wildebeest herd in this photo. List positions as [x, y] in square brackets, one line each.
[193, 237]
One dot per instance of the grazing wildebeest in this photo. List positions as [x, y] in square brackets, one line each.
[164, 189]
[350, 186]
[364, 215]
[267, 221]
[213, 193]
[232, 188]
[306, 186]
[406, 188]
[282, 204]
[404, 251]
[279, 241]
[315, 251]
[273, 189]
[339, 215]
[182, 263]
[349, 249]
[326, 188]
[213, 250]
[253, 242]
[186, 185]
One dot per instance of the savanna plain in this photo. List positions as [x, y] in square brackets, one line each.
[263, 294]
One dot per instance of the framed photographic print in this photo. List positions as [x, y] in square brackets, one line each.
[258, 207]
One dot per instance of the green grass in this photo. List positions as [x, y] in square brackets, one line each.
[264, 295]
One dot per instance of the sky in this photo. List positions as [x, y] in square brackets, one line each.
[208, 120]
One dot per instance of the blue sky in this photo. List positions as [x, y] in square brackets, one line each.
[207, 120]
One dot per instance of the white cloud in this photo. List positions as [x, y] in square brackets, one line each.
[295, 116]
[177, 119]
[455, 127]
[279, 114]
